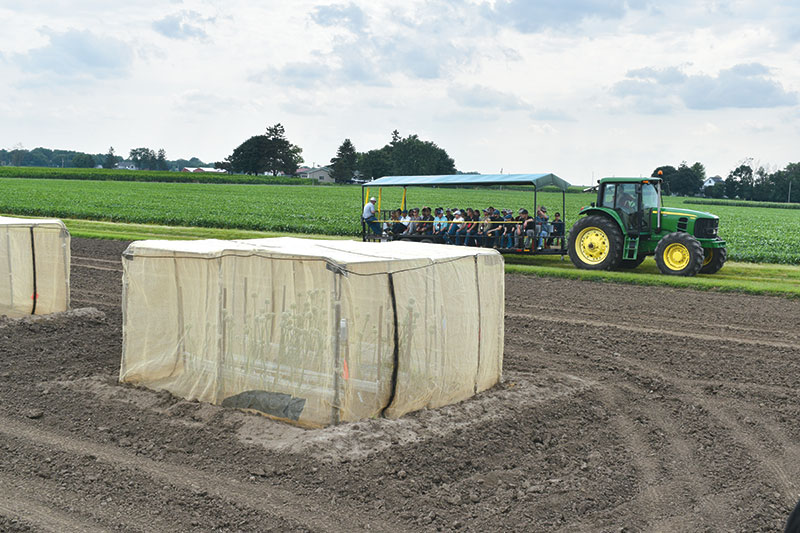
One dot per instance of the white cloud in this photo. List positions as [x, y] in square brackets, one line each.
[183, 25]
[751, 85]
[78, 54]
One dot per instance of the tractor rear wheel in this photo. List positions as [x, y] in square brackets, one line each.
[595, 243]
[713, 260]
[632, 263]
[679, 254]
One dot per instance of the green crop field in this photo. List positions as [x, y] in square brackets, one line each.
[102, 174]
[754, 234]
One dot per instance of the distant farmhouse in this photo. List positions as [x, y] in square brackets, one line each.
[321, 174]
[204, 169]
[127, 165]
[710, 182]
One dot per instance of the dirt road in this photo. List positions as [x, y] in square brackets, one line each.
[624, 408]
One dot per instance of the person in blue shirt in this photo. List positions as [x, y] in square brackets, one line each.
[439, 223]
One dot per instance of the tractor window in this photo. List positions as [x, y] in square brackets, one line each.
[649, 196]
[626, 197]
[608, 195]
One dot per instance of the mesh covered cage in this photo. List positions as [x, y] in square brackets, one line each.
[315, 332]
[34, 266]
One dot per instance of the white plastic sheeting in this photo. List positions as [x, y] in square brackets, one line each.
[316, 332]
[34, 266]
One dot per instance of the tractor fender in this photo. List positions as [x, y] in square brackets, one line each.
[604, 211]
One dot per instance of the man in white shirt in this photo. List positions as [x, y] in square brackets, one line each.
[455, 225]
[369, 216]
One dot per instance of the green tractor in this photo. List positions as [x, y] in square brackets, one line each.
[628, 223]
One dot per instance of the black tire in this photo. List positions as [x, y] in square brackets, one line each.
[428, 240]
[679, 254]
[632, 263]
[595, 243]
[713, 260]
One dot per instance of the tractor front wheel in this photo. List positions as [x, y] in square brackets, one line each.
[679, 254]
[595, 243]
[713, 260]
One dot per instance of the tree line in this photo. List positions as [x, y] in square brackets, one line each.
[142, 158]
[746, 182]
[273, 153]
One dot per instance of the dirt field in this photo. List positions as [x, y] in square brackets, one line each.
[624, 408]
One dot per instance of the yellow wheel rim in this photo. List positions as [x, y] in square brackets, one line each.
[709, 256]
[676, 256]
[592, 245]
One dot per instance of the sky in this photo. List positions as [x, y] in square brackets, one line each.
[581, 88]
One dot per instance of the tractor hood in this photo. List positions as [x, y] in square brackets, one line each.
[676, 211]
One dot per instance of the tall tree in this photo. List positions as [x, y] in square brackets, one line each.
[271, 152]
[143, 158]
[413, 156]
[161, 160]
[667, 174]
[684, 180]
[406, 156]
[111, 159]
[375, 163]
[743, 177]
[345, 162]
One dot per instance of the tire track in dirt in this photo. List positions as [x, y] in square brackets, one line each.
[270, 500]
[19, 501]
[668, 471]
[782, 472]
[23, 498]
[654, 331]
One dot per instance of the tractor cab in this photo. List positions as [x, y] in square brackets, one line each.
[634, 201]
[628, 222]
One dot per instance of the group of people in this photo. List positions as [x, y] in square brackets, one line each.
[488, 227]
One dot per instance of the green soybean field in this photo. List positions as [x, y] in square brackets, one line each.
[754, 234]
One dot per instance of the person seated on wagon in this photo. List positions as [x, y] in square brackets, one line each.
[425, 223]
[397, 226]
[494, 229]
[455, 226]
[439, 223]
[557, 234]
[464, 229]
[507, 235]
[528, 230]
[414, 216]
[478, 233]
[542, 226]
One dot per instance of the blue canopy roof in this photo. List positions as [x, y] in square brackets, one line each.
[537, 180]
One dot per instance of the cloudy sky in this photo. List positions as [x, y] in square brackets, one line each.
[581, 88]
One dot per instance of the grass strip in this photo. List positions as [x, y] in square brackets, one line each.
[750, 278]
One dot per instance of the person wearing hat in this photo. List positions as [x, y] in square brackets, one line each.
[368, 216]
[439, 223]
[525, 229]
[455, 225]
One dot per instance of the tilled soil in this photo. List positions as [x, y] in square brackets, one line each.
[623, 408]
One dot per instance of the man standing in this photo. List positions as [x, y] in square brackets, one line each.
[369, 216]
